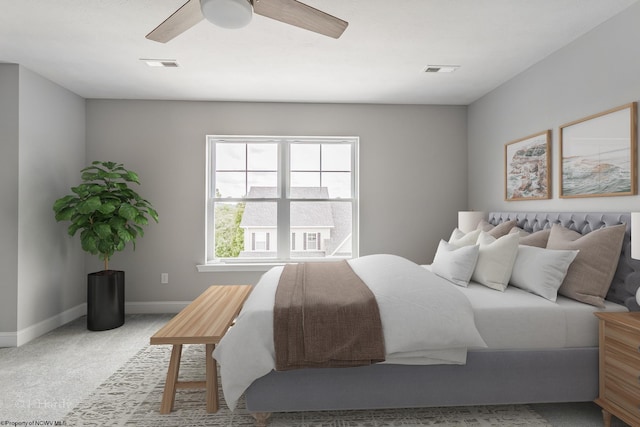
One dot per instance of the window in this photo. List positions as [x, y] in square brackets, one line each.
[260, 241]
[275, 199]
[312, 242]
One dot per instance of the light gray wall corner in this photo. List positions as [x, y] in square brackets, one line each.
[405, 151]
[51, 151]
[596, 72]
[9, 144]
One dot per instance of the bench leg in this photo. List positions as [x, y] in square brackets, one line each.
[211, 373]
[261, 418]
[169, 395]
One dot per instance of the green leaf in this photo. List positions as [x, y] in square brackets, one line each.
[102, 230]
[81, 220]
[90, 205]
[106, 247]
[65, 214]
[63, 202]
[128, 212]
[73, 228]
[80, 190]
[131, 177]
[89, 176]
[95, 189]
[141, 219]
[107, 208]
[108, 165]
[125, 235]
[117, 222]
[153, 213]
[89, 242]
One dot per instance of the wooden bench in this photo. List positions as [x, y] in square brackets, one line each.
[203, 321]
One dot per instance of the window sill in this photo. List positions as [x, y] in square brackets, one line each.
[256, 266]
[231, 267]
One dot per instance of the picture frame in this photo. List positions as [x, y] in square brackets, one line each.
[527, 167]
[598, 154]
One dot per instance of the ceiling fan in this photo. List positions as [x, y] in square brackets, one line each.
[237, 13]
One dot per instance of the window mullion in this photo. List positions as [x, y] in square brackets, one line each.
[283, 202]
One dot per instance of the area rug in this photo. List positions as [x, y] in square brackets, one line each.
[132, 395]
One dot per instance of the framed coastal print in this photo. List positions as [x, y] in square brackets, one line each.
[598, 154]
[527, 164]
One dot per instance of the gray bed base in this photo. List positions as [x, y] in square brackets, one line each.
[489, 377]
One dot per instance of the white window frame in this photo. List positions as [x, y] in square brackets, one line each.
[283, 231]
[315, 237]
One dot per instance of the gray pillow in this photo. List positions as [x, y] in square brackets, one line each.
[589, 276]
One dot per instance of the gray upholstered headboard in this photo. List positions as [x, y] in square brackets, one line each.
[627, 278]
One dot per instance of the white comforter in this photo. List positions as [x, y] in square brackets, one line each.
[425, 320]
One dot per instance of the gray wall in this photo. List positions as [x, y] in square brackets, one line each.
[412, 177]
[598, 71]
[9, 197]
[42, 134]
[52, 151]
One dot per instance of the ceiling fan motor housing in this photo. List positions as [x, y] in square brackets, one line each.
[227, 13]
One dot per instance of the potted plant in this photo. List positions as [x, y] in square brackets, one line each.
[108, 215]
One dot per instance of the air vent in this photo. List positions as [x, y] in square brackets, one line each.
[441, 68]
[166, 63]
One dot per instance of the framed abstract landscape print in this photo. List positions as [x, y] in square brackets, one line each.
[527, 168]
[599, 154]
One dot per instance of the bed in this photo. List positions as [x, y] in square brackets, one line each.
[553, 357]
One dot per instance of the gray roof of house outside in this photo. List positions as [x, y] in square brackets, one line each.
[336, 215]
[342, 225]
[303, 214]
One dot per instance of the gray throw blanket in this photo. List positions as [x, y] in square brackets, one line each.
[325, 316]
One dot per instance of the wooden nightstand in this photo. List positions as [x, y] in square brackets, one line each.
[619, 367]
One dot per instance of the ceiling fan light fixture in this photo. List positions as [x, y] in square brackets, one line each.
[227, 13]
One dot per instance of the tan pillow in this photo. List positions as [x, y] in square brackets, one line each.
[589, 276]
[496, 231]
[538, 238]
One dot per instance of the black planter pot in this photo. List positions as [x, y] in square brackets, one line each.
[105, 300]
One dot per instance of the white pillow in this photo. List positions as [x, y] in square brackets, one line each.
[541, 271]
[495, 260]
[456, 264]
[459, 238]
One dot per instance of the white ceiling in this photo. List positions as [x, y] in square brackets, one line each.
[93, 47]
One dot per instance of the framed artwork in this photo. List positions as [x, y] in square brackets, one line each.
[527, 165]
[598, 154]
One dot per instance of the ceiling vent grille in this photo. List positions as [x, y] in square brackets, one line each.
[441, 68]
[166, 63]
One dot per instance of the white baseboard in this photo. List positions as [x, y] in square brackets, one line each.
[154, 307]
[8, 339]
[23, 336]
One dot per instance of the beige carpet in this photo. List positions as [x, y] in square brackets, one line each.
[131, 397]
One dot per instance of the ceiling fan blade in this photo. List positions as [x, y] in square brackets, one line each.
[180, 21]
[301, 15]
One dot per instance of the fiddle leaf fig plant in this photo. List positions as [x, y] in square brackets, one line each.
[106, 211]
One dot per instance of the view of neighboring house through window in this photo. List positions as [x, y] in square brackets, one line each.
[281, 198]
